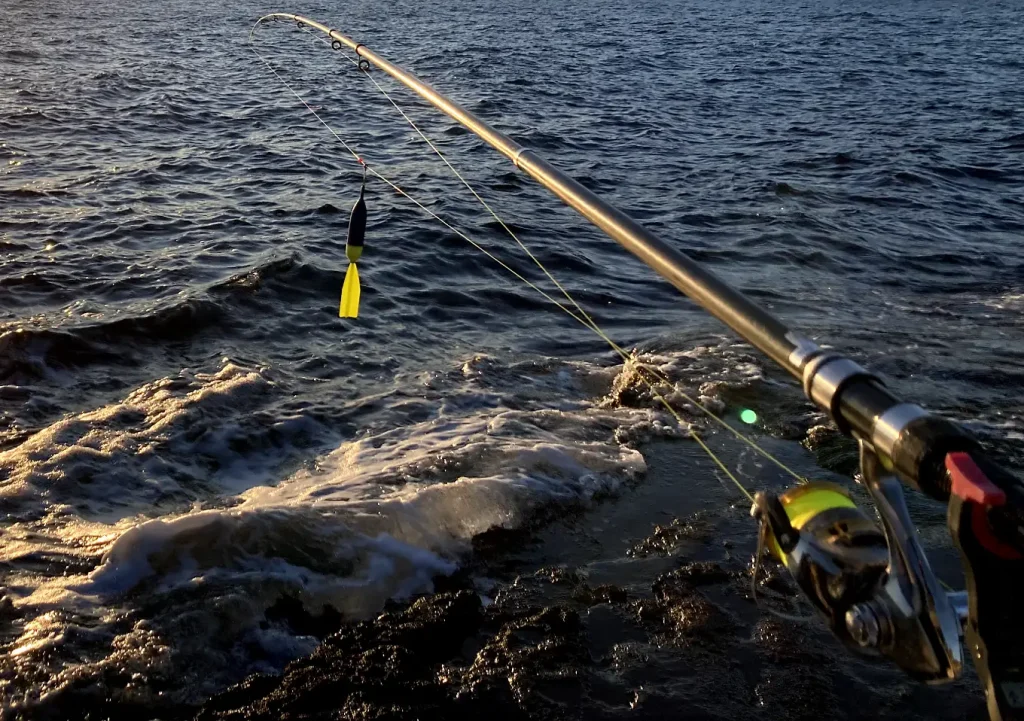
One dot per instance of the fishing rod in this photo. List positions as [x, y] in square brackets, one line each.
[874, 587]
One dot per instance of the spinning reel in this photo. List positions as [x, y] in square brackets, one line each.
[871, 581]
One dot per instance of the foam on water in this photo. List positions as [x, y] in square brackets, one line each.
[1013, 302]
[112, 462]
[405, 498]
[379, 517]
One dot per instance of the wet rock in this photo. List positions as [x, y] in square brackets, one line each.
[800, 697]
[255, 687]
[683, 612]
[7, 610]
[413, 664]
[534, 663]
[665, 539]
[782, 642]
[833, 450]
[293, 613]
[694, 648]
[695, 615]
[602, 594]
[378, 669]
[701, 573]
[558, 574]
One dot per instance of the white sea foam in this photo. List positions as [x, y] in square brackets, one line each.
[126, 457]
[1007, 301]
[379, 517]
[384, 513]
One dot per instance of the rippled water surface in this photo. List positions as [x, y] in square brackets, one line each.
[187, 429]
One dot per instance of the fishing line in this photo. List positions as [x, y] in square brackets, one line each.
[372, 171]
[583, 317]
[585, 320]
[589, 321]
[892, 608]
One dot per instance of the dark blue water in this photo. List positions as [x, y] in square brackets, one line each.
[172, 226]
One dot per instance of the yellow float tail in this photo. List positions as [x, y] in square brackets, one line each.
[350, 293]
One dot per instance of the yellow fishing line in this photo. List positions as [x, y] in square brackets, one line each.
[805, 502]
[590, 322]
[583, 317]
[416, 202]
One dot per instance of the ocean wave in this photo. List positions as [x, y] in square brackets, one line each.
[9, 246]
[1014, 142]
[33, 193]
[1007, 301]
[17, 54]
[992, 175]
[29, 354]
[33, 353]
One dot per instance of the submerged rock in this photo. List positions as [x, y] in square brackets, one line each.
[378, 669]
[667, 537]
[293, 613]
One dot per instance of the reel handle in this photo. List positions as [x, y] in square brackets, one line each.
[986, 522]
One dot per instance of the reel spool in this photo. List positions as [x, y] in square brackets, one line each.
[835, 552]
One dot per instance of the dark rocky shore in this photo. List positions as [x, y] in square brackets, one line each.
[605, 655]
[665, 627]
[580, 617]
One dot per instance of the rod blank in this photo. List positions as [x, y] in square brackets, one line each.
[752, 322]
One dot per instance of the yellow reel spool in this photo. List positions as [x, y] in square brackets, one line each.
[806, 502]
